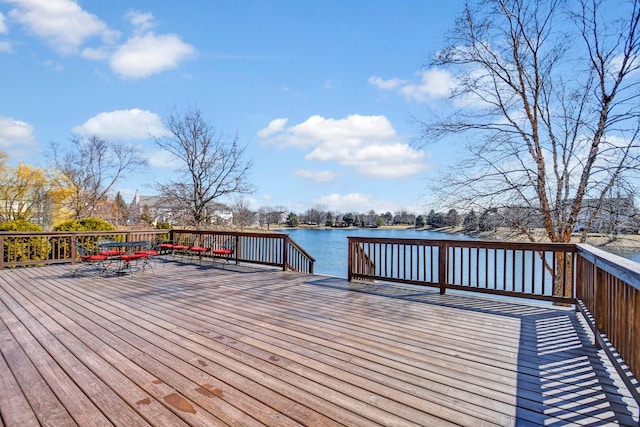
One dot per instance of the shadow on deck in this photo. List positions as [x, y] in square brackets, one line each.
[561, 373]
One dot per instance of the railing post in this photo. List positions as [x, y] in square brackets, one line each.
[349, 259]
[1, 252]
[600, 302]
[238, 247]
[285, 252]
[578, 283]
[442, 267]
[72, 245]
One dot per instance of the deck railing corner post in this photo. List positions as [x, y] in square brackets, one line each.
[349, 259]
[442, 267]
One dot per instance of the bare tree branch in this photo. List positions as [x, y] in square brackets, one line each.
[549, 108]
[90, 168]
[211, 165]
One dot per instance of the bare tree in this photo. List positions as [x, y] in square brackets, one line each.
[268, 215]
[210, 165]
[263, 215]
[90, 168]
[547, 97]
[316, 215]
[243, 216]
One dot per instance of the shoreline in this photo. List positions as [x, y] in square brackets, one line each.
[621, 243]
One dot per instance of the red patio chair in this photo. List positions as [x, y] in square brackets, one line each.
[129, 262]
[172, 248]
[91, 261]
[224, 251]
[199, 251]
[150, 252]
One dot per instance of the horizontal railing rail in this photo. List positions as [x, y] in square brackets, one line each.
[536, 271]
[21, 249]
[271, 249]
[297, 258]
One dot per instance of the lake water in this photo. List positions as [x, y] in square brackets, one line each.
[329, 246]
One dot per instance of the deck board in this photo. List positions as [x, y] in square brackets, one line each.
[195, 345]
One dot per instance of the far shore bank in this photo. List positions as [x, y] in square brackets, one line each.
[621, 242]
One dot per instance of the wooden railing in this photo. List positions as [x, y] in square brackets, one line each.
[272, 249]
[19, 249]
[608, 295]
[605, 287]
[540, 271]
[297, 258]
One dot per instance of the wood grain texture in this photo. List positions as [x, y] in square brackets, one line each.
[195, 345]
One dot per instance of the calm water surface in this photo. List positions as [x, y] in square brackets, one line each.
[329, 246]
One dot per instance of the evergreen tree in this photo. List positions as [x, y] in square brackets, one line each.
[292, 220]
[431, 218]
[329, 220]
[470, 222]
[453, 218]
[349, 219]
[145, 216]
[122, 210]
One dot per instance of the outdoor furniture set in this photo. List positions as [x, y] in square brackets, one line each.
[118, 258]
[200, 249]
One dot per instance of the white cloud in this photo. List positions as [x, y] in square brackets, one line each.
[62, 24]
[67, 29]
[395, 160]
[434, 84]
[141, 21]
[15, 133]
[3, 24]
[367, 144]
[275, 126]
[632, 66]
[96, 53]
[119, 125]
[390, 84]
[145, 55]
[6, 47]
[317, 176]
[355, 202]
[161, 159]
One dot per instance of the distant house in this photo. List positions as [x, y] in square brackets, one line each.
[163, 212]
[616, 215]
[154, 206]
[222, 216]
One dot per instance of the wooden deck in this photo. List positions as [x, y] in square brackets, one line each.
[202, 346]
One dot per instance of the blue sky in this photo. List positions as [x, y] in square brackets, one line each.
[323, 93]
